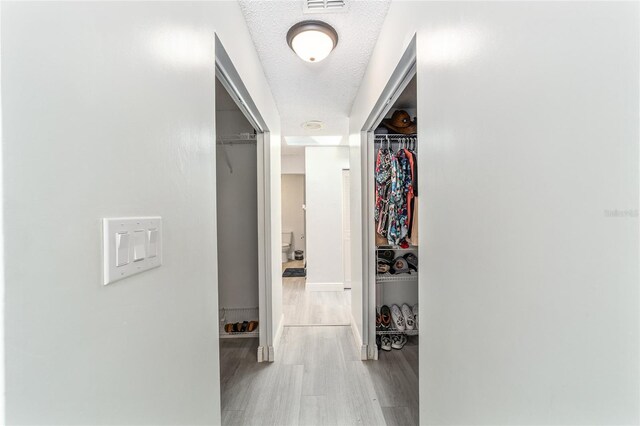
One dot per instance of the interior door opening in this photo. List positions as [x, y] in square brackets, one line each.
[237, 220]
[313, 218]
[243, 194]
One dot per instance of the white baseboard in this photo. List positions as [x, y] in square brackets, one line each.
[272, 350]
[261, 352]
[363, 353]
[324, 286]
[358, 340]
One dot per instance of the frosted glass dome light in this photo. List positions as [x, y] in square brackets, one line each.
[312, 40]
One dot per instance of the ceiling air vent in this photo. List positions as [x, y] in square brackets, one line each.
[324, 6]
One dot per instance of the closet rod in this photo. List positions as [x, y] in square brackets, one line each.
[239, 139]
[410, 141]
[236, 142]
[397, 139]
[395, 136]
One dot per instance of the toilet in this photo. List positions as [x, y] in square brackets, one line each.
[287, 239]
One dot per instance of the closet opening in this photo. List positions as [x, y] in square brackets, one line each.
[243, 223]
[237, 230]
[395, 218]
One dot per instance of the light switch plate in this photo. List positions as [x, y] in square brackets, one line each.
[141, 237]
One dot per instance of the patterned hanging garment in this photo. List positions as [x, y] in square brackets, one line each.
[407, 192]
[383, 181]
[396, 197]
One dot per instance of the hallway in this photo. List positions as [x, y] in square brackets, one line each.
[317, 379]
[303, 307]
[469, 170]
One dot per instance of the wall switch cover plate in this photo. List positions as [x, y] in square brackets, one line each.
[130, 245]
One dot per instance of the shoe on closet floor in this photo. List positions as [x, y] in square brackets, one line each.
[398, 319]
[398, 341]
[385, 342]
[415, 315]
[407, 313]
[385, 318]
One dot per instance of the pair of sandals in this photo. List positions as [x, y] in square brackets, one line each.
[241, 327]
[394, 341]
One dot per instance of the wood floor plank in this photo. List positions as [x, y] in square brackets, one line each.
[394, 379]
[233, 417]
[302, 307]
[399, 416]
[316, 411]
[287, 402]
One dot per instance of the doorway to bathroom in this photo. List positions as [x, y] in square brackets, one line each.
[294, 259]
[293, 223]
[315, 197]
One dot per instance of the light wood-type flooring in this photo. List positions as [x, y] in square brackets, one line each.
[317, 378]
[301, 307]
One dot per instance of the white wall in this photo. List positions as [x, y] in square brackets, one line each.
[275, 218]
[324, 216]
[108, 111]
[292, 213]
[237, 215]
[528, 132]
[293, 164]
[2, 258]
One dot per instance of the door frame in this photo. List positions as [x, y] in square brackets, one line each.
[230, 79]
[346, 220]
[400, 78]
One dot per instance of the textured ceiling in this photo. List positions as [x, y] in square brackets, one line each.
[314, 91]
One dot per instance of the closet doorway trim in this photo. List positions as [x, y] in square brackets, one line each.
[400, 78]
[230, 79]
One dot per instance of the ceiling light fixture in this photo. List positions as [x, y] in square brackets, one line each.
[312, 40]
[313, 125]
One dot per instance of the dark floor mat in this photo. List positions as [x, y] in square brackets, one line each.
[294, 272]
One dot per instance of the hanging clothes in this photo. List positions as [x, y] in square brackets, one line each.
[395, 181]
[411, 189]
[383, 183]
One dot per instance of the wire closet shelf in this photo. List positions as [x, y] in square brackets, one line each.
[234, 315]
[413, 332]
[238, 139]
[389, 278]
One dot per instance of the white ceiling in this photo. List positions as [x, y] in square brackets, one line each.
[314, 91]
